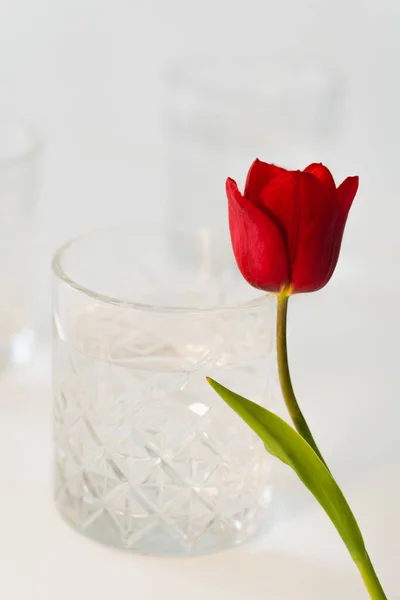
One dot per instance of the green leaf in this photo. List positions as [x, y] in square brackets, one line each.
[281, 440]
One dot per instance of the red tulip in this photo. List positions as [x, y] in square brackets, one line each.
[287, 228]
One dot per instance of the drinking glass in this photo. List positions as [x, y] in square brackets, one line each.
[223, 113]
[147, 457]
[19, 173]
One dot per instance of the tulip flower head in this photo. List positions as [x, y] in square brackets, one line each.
[287, 227]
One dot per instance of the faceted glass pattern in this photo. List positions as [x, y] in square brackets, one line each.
[147, 456]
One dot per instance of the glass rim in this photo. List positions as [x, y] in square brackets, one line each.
[34, 141]
[60, 273]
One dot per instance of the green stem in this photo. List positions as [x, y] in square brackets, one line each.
[370, 579]
[364, 564]
[284, 377]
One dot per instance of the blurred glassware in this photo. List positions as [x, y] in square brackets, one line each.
[220, 114]
[20, 151]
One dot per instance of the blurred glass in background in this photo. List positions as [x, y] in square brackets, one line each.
[220, 114]
[20, 152]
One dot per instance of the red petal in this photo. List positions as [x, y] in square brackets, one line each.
[296, 199]
[346, 193]
[312, 268]
[259, 175]
[257, 243]
[307, 212]
[324, 175]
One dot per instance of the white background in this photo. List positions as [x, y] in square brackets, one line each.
[89, 73]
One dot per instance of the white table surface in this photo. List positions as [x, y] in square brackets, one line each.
[344, 358]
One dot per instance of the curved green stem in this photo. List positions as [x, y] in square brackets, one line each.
[285, 380]
[364, 564]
